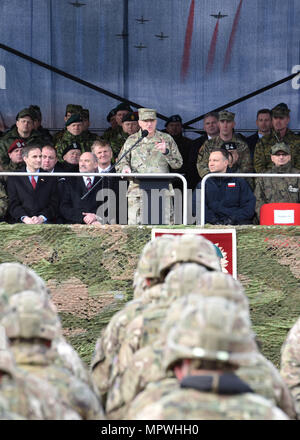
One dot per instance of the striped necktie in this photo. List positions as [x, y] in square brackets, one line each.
[89, 183]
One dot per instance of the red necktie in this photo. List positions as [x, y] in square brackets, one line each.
[33, 182]
[88, 183]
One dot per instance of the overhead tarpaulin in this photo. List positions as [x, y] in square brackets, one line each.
[182, 57]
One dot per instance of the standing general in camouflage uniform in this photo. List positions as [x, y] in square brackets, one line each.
[204, 348]
[279, 133]
[23, 130]
[73, 135]
[290, 363]
[31, 326]
[154, 154]
[226, 125]
[281, 189]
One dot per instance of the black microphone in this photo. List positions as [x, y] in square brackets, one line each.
[145, 133]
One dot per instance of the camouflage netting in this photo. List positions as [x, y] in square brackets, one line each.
[89, 271]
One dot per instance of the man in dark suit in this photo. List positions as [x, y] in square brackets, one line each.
[73, 208]
[32, 199]
[264, 125]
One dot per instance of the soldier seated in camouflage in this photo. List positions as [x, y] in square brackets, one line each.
[279, 133]
[226, 126]
[73, 134]
[71, 109]
[44, 133]
[281, 189]
[111, 119]
[23, 130]
[31, 327]
[204, 348]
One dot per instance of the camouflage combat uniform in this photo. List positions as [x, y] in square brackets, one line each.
[9, 138]
[277, 190]
[146, 364]
[290, 363]
[68, 139]
[262, 158]
[244, 163]
[31, 327]
[144, 158]
[28, 396]
[217, 332]
[16, 278]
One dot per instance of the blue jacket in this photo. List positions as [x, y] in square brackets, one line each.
[229, 201]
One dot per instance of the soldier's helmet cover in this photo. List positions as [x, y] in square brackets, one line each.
[29, 315]
[190, 248]
[194, 278]
[211, 328]
[148, 264]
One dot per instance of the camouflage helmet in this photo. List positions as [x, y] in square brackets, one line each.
[7, 361]
[148, 264]
[211, 328]
[16, 277]
[29, 315]
[192, 278]
[190, 248]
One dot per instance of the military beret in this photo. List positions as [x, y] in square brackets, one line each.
[73, 108]
[146, 113]
[25, 112]
[129, 117]
[18, 143]
[280, 146]
[229, 146]
[280, 110]
[174, 118]
[85, 114]
[225, 115]
[73, 146]
[123, 106]
[74, 118]
[111, 114]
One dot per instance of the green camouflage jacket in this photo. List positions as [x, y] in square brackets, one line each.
[243, 165]
[67, 139]
[277, 189]
[8, 138]
[262, 153]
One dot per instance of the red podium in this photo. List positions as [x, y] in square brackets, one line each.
[287, 214]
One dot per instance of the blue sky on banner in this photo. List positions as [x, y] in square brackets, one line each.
[203, 63]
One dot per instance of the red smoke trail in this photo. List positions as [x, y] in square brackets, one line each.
[232, 35]
[212, 48]
[187, 43]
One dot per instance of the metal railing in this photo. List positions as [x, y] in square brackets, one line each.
[127, 175]
[207, 176]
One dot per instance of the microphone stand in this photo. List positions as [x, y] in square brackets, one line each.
[144, 134]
